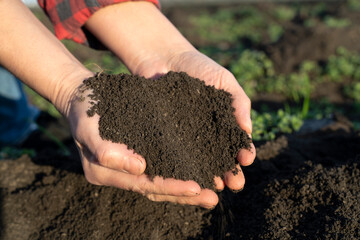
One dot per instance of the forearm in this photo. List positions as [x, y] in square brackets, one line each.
[34, 55]
[137, 32]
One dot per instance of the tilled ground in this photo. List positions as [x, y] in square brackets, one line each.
[301, 186]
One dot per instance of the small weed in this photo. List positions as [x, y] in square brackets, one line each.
[252, 70]
[336, 22]
[256, 74]
[284, 13]
[275, 31]
[231, 25]
[353, 91]
[343, 64]
[270, 124]
[354, 5]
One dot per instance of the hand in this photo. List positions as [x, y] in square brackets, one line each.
[200, 66]
[113, 164]
[150, 50]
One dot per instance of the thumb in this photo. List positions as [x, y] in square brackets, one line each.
[118, 157]
[111, 155]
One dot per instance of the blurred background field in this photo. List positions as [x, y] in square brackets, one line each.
[298, 62]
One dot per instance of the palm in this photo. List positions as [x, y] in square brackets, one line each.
[107, 163]
[113, 164]
[199, 66]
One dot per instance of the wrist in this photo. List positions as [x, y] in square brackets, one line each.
[151, 64]
[65, 90]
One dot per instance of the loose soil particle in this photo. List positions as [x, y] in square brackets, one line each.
[182, 127]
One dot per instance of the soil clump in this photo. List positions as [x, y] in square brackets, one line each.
[182, 127]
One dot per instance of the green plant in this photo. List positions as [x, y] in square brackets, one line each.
[266, 126]
[354, 4]
[353, 91]
[298, 86]
[252, 69]
[284, 13]
[310, 67]
[230, 25]
[336, 22]
[343, 64]
[275, 31]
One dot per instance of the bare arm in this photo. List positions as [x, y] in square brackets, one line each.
[33, 54]
[139, 34]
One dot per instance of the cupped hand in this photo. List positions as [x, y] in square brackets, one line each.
[200, 66]
[113, 164]
[152, 50]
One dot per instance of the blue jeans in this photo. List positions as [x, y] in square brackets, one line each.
[17, 116]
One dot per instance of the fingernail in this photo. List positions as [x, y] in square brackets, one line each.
[209, 207]
[134, 164]
[237, 191]
[141, 164]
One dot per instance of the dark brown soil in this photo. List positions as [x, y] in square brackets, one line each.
[300, 187]
[183, 128]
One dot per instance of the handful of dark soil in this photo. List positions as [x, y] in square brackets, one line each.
[183, 128]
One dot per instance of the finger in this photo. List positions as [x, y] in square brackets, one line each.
[118, 157]
[246, 157]
[235, 182]
[207, 199]
[100, 175]
[219, 183]
[168, 186]
[111, 155]
[242, 105]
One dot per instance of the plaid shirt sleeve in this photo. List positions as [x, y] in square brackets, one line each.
[68, 17]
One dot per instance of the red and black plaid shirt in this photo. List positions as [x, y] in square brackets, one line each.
[68, 16]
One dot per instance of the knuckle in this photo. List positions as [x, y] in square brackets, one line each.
[138, 189]
[152, 197]
[103, 156]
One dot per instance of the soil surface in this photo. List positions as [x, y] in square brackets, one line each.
[300, 187]
[183, 128]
